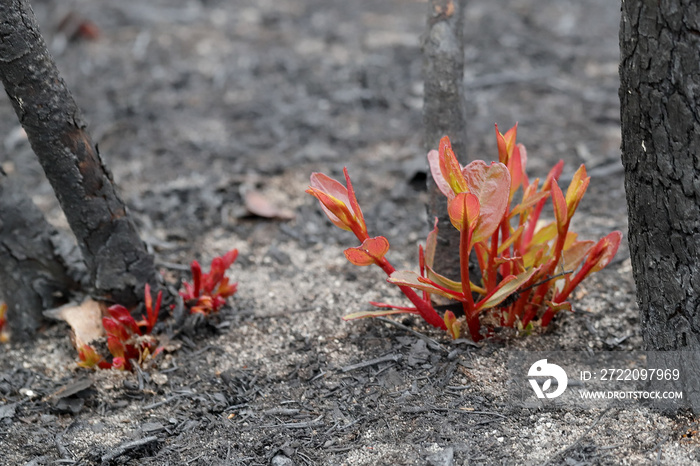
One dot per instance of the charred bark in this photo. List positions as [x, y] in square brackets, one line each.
[34, 274]
[444, 112]
[660, 102]
[116, 258]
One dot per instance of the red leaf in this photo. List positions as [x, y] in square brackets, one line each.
[440, 181]
[464, 211]
[506, 143]
[88, 357]
[336, 203]
[560, 210]
[577, 188]
[604, 251]
[491, 185]
[123, 316]
[225, 289]
[522, 152]
[371, 251]
[516, 171]
[196, 278]
[446, 170]
[354, 205]
[229, 258]
[116, 346]
[114, 328]
[453, 326]
[151, 318]
[119, 363]
[574, 254]
[553, 175]
[215, 275]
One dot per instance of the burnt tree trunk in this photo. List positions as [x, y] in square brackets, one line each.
[444, 113]
[116, 258]
[33, 272]
[660, 109]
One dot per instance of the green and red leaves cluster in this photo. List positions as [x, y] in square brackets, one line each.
[341, 206]
[528, 268]
[128, 340]
[208, 292]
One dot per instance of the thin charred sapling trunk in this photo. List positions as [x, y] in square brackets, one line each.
[116, 258]
[660, 102]
[33, 272]
[444, 112]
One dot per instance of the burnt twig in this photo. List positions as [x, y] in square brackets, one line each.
[128, 446]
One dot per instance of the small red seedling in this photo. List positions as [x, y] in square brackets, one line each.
[4, 337]
[208, 292]
[528, 271]
[127, 339]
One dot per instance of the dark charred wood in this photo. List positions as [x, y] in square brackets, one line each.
[444, 113]
[116, 258]
[33, 273]
[659, 78]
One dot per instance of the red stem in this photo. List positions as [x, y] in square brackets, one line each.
[574, 282]
[465, 236]
[425, 309]
[492, 272]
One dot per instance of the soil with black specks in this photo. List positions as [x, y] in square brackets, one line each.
[196, 103]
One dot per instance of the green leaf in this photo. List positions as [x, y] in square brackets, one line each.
[413, 280]
[528, 201]
[444, 281]
[556, 307]
[431, 245]
[545, 234]
[536, 255]
[511, 239]
[452, 324]
[577, 188]
[573, 256]
[508, 286]
[450, 168]
[560, 210]
[382, 313]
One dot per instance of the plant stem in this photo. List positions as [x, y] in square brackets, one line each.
[465, 236]
[425, 309]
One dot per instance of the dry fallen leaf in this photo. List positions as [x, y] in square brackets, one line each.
[258, 204]
[85, 320]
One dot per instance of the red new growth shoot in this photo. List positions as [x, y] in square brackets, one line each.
[208, 292]
[528, 269]
[4, 337]
[127, 339]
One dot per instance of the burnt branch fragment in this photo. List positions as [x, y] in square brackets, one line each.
[444, 112]
[116, 258]
[34, 274]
